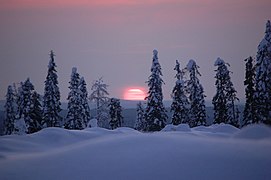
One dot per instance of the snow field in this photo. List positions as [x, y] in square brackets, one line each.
[177, 152]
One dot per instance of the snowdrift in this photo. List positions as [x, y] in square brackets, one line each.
[177, 152]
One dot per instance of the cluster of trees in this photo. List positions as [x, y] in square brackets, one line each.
[27, 112]
[78, 108]
[188, 104]
[258, 83]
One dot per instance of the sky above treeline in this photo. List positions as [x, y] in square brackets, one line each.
[114, 39]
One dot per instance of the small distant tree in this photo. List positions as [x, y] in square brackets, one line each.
[115, 113]
[140, 121]
[197, 111]
[10, 112]
[84, 101]
[35, 113]
[232, 108]
[155, 113]
[250, 109]
[51, 99]
[225, 110]
[180, 104]
[74, 115]
[262, 93]
[100, 96]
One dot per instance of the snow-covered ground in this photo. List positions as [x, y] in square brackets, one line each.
[177, 152]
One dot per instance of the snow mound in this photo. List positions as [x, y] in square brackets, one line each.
[225, 128]
[92, 123]
[256, 132]
[217, 128]
[123, 153]
[180, 127]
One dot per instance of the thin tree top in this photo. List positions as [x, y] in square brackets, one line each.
[192, 66]
[74, 69]
[52, 60]
[52, 54]
[268, 29]
[178, 69]
[219, 62]
[156, 68]
[267, 38]
[155, 53]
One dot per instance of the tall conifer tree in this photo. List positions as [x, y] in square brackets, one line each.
[84, 101]
[262, 93]
[225, 110]
[51, 99]
[197, 111]
[249, 111]
[155, 114]
[180, 104]
[75, 108]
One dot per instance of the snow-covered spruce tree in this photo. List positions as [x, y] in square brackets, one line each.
[155, 113]
[180, 104]
[10, 112]
[99, 96]
[51, 99]
[115, 110]
[262, 93]
[197, 111]
[35, 113]
[74, 119]
[25, 104]
[140, 121]
[249, 111]
[19, 125]
[225, 110]
[220, 100]
[84, 101]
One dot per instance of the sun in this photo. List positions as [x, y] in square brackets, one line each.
[134, 94]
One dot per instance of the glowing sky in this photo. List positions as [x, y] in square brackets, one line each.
[134, 94]
[114, 39]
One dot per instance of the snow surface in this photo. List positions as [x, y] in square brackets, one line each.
[178, 152]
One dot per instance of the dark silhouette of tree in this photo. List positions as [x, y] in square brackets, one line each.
[262, 93]
[51, 99]
[155, 114]
[180, 104]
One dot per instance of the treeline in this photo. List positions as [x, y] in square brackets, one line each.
[27, 112]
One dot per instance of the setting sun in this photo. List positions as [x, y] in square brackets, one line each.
[134, 94]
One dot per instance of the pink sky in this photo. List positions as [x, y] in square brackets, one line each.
[118, 34]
